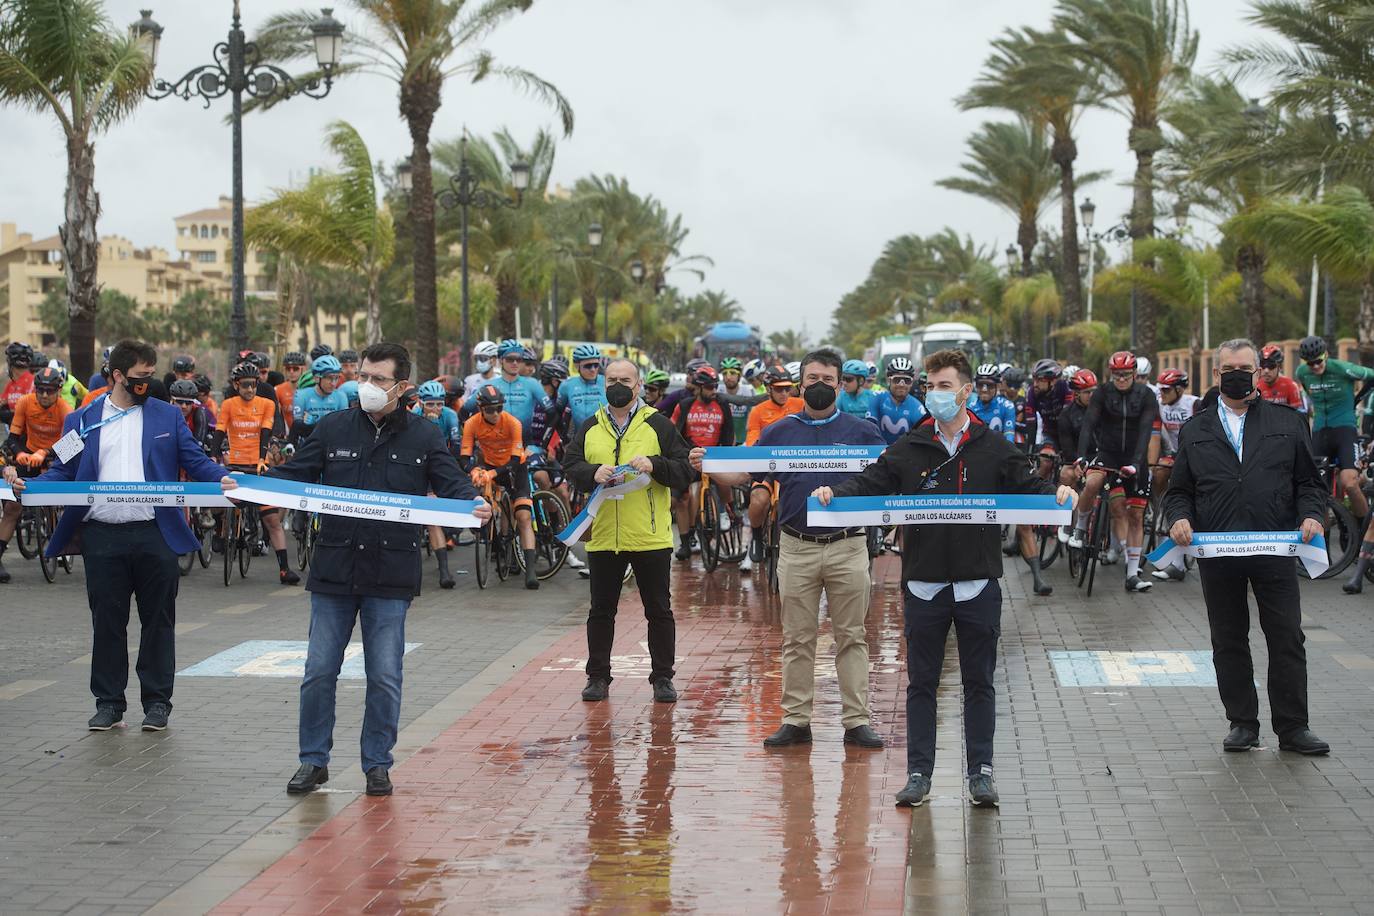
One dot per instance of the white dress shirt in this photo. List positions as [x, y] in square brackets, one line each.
[968, 589]
[121, 459]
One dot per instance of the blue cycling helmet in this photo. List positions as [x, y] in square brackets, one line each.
[432, 391]
[508, 346]
[326, 365]
[855, 367]
[584, 352]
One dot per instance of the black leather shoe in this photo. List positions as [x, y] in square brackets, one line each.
[1303, 741]
[664, 691]
[787, 735]
[863, 736]
[307, 779]
[1240, 739]
[378, 781]
[596, 689]
[105, 718]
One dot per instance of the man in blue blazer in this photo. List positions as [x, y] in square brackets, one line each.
[129, 550]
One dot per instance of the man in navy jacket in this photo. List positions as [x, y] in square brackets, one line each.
[129, 550]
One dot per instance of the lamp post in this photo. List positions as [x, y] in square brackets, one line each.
[1329, 296]
[1119, 233]
[464, 192]
[637, 275]
[238, 69]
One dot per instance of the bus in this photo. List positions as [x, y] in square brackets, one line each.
[729, 338]
[945, 335]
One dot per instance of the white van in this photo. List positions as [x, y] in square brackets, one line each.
[944, 335]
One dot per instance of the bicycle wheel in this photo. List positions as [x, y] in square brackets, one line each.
[48, 564]
[1048, 536]
[230, 527]
[708, 530]
[771, 547]
[26, 535]
[1342, 540]
[302, 535]
[1101, 542]
[482, 539]
[547, 516]
[1089, 547]
[247, 539]
[504, 535]
[205, 554]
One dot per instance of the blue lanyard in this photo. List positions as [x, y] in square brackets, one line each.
[87, 430]
[1226, 428]
[810, 422]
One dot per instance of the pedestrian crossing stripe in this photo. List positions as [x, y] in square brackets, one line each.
[276, 658]
[1144, 668]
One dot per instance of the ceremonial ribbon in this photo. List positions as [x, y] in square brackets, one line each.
[977, 509]
[350, 503]
[1215, 544]
[629, 481]
[790, 458]
[172, 494]
[6, 492]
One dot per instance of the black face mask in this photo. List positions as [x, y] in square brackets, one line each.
[138, 388]
[819, 396]
[1237, 384]
[618, 395]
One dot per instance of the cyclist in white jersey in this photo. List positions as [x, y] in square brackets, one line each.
[1176, 407]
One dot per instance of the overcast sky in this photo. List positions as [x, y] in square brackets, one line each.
[795, 136]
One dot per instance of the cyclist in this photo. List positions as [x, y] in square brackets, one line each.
[245, 428]
[310, 405]
[430, 405]
[520, 394]
[204, 393]
[896, 410]
[292, 367]
[992, 410]
[1175, 408]
[1276, 387]
[530, 367]
[19, 360]
[794, 372]
[73, 392]
[501, 439]
[584, 394]
[655, 384]
[1330, 383]
[35, 427]
[731, 374]
[1013, 385]
[1122, 415]
[185, 396]
[348, 377]
[855, 397]
[753, 375]
[260, 362]
[705, 423]
[1048, 395]
[484, 359]
[780, 403]
[668, 403]
[184, 366]
[307, 379]
[871, 383]
[1142, 374]
[1082, 383]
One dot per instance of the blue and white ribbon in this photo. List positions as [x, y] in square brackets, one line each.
[6, 493]
[350, 503]
[978, 509]
[767, 459]
[625, 480]
[1215, 544]
[172, 494]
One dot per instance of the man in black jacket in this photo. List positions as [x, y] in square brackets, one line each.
[950, 571]
[1247, 466]
[365, 569]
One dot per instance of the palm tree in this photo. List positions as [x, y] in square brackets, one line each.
[1142, 52]
[64, 57]
[419, 45]
[1033, 298]
[334, 220]
[1030, 73]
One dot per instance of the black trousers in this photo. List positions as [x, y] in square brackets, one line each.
[126, 561]
[977, 627]
[1275, 583]
[653, 569]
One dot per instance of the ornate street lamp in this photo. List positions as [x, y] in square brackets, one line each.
[405, 177]
[1012, 260]
[238, 69]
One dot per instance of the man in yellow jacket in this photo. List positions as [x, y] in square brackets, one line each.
[623, 440]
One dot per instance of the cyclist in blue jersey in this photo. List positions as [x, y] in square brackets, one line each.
[896, 411]
[855, 398]
[311, 404]
[996, 412]
[522, 393]
[585, 393]
[431, 406]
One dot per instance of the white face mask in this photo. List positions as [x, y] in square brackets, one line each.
[483, 365]
[372, 398]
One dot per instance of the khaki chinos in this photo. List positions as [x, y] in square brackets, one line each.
[840, 570]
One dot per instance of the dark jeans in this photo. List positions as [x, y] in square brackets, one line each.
[652, 571]
[977, 626]
[124, 561]
[1275, 583]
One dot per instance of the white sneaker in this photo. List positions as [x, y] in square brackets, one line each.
[1065, 535]
[574, 562]
[1110, 557]
[1076, 539]
[746, 564]
[725, 522]
[1137, 584]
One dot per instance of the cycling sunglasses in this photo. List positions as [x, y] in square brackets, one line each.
[1315, 362]
[185, 402]
[899, 380]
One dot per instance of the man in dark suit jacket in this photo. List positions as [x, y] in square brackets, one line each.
[129, 550]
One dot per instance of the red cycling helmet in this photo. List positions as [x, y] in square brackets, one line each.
[1083, 380]
[706, 375]
[1271, 357]
[1173, 378]
[1122, 361]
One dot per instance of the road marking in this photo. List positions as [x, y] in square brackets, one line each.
[288, 592]
[19, 688]
[1322, 636]
[1150, 668]
[241, 608]
[276, 658]
[81, 660]
[183, 628]
[1355, 661]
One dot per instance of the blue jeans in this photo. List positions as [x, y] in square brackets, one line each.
[384, 639]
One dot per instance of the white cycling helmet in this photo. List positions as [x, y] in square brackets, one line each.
[753, 369]
[1071, 370]
[794, 370]
[485, 349]
[1142, 366]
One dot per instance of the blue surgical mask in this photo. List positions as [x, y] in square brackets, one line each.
[483, 365]
[943, 405]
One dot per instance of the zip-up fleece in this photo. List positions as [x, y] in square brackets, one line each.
[985, 462]
[642, 520]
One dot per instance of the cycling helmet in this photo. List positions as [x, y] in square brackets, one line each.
[19, 354]
[60, 366]
[583, 352]
[1047, 368]
[1271, 357]
[184, 363]
[776, 375]
[706, 375]
[987, 372]
[294, 358]
[326, 365]
[655, 378]
[693, 365]
[900, 365]
[1083, 379]
[432, 390]
[262, 360]
[1014, 378]
[348, 356]
[872, 369]
[47, 378]
[185, 389]
[551, 369]
[527, 354]
[732, 363]
[509, 346]
[794, 369]
[560, 359]
[1071, 370]
[753, 369]
[1142, 366]
[1311, 348]
[855, 367]
[1122, 361]
[485, 349]
[244, 370]
[490, 396]
[203, 386]
[1173, 378]
[320, 350]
